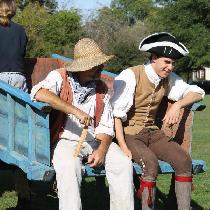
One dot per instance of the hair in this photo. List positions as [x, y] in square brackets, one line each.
[7, 11]
[154, 54]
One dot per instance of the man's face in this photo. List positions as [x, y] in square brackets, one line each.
[92, 74]
[163, 66]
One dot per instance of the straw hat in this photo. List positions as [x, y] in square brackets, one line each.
[87, 54]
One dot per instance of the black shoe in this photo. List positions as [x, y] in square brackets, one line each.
[23, 204]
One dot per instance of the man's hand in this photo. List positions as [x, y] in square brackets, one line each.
[96, 158]
[44, 95]
[120, 137]
[172, 115]
[83, 117]
[126, 151]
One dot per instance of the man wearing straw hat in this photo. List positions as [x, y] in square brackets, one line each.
[76, 91]
[138, 93]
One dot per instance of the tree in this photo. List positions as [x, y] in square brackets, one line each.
[189, 21]
[124, 46]
[61, 31]
[49, 32]
[135, 10]
[164, 2]
[49, 4]
[116, 36]
[103, 26]
[33, 18]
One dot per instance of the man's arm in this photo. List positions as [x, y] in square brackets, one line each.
[104, 133]
[97, 157]
[172, 115]
[120, 137]
[122, 101]
[189, 99]
[44, 95]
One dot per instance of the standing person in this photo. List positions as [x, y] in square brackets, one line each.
[83, 100]
[13, 41]
[138, 93]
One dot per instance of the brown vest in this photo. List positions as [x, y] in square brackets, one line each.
[146, 101]
[58, 118]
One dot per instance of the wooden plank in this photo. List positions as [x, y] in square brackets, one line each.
[31, 134]
[11, 122]
[21, 95]
[199, 166]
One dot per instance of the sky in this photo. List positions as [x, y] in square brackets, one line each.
[86, 6]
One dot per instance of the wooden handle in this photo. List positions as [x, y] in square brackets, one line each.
[81, 140]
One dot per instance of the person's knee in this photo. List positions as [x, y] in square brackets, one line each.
[116, 160]
[183, 164]
[149, 167]
[121, 165]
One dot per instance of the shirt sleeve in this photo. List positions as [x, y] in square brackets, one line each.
[178, 88]
[124, 89]
[106, 124]
[52, 82]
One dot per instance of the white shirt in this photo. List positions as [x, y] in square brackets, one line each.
[73, 128]
[125, 84]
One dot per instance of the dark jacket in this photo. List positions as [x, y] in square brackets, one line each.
[13, 41]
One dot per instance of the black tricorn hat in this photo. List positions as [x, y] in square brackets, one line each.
[163, 44]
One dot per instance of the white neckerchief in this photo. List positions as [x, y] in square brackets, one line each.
[82, 92]
[151, 74]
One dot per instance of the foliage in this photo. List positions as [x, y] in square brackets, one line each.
[164, 2]
[112, 31]
[33, 17]
[189, 21]
[103, 26]
[124, 45]
[49, 4]
[61, 31]
[49, 32]
[134, 10]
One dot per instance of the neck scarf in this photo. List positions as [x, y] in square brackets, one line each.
[81, 92]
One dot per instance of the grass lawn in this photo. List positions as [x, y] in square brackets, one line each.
[43, 200]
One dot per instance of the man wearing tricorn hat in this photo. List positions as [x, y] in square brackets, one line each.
[138, 92]
[76, 91]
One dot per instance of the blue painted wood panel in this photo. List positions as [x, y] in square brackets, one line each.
[24, 132]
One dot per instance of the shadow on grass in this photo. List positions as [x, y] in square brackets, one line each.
[162, 199]
[95, 195]
[6, 181]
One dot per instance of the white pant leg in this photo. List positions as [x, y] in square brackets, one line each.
[119, 173]
[68, 175]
